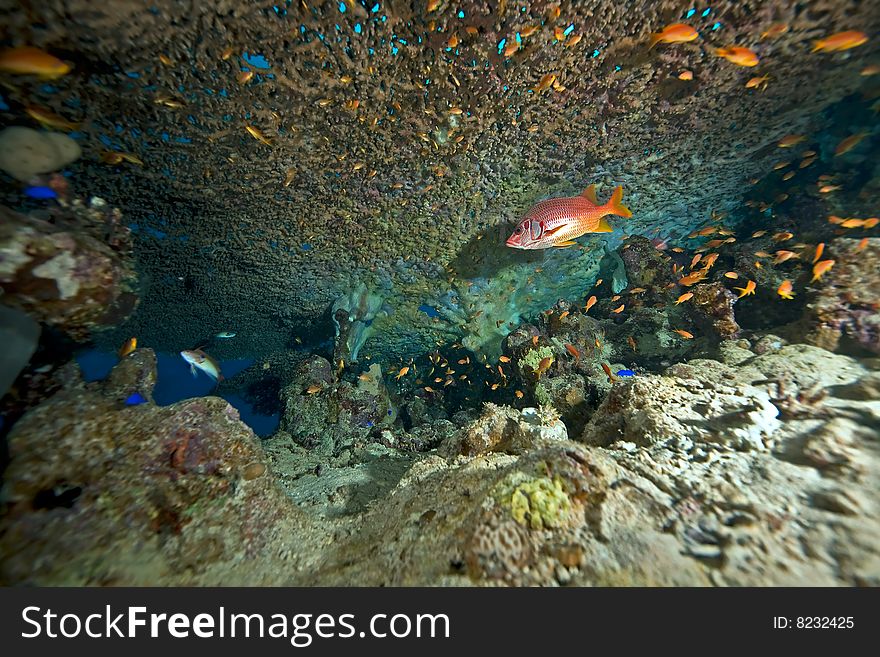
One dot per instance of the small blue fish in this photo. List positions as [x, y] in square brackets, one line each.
[625, 373]
[134, 399]
[40, 192]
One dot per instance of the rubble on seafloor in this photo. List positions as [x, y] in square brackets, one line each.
[757, 467]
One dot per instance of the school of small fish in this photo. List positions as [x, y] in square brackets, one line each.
[551, 223]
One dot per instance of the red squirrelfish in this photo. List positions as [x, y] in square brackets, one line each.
[558, 221]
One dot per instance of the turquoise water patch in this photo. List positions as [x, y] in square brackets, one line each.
[257, 61]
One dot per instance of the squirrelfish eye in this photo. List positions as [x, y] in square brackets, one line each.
[518, 230]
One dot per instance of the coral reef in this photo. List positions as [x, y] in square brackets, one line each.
[757, 468]
[323, 413]
[169, 492]
[645, 265]
[712, 311]
[536, 502]
[847, 306]
[353, 315]
[64, 277]
[686, 410]
[24, 152]
[616, 270]
[503, 429]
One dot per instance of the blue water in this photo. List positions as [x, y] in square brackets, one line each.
[174, 383]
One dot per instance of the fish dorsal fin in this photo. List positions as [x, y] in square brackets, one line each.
[603, 227]
[590, 194]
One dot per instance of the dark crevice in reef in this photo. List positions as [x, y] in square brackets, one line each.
[60, 496]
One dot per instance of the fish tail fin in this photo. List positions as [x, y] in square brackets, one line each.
[616, 206]
[655, 39]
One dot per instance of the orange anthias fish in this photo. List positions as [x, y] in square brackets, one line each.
[782, 256]
[686, 335]
[570, 348]
[692, 279]
[748, 289]
[675, 33]
[761, 81]
[784, 290]
[841, 41]
[558, 221]
[709, 260]
[543, 366]
[27, 60]
[49, 119]
[611, 377]
[590, 303]
[819, 248]
[256, 134]
[774, 31]
[849, 143]
[790, 140]
[820, 268]
[129, 346]
[684, 297]
[859, 223]
[738, 55]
